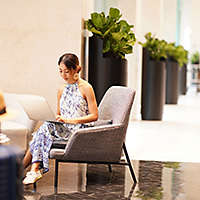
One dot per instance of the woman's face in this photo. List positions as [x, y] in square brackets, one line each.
[66, 74]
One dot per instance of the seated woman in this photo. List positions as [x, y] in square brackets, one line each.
[76, 106]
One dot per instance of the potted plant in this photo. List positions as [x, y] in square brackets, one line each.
[195, 67]
[176, 59]
[153, 78]
[195, 58]
[112, 39]
[183, 74]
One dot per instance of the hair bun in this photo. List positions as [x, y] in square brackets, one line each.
[78, 69]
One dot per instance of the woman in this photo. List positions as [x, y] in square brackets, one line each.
[76, 106]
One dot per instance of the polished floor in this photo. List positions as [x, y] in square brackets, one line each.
[165, 156]
[175, 138]
[156, 180]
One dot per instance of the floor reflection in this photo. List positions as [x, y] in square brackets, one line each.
[150, 180]
[156, 181]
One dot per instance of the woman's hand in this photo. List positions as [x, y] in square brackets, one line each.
[59, 118]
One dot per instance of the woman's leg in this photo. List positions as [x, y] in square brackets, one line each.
[27, 159]
[39, 152]
[34, 168]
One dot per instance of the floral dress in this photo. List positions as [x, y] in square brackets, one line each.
[72, 105]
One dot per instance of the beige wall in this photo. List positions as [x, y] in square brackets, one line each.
[168, 23]
[34, 34]
[190, 25]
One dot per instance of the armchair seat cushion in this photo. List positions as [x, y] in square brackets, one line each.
[59, 144]
[57, 153]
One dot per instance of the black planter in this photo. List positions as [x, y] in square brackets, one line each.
[153, 88]
[172, 85]
[104, 72]
[183, 80]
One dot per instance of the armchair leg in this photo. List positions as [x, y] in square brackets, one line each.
[110, 168]
[34, 187]
[129, 163]
[56, 177]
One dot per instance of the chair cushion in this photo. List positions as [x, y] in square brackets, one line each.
[59, 144]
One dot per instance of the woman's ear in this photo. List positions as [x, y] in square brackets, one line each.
[76, 76]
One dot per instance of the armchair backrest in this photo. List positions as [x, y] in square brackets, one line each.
[116, 104]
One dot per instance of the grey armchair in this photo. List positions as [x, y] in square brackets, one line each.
[101, 144]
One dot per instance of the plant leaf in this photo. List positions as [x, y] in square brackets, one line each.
[114, 13]
[97, 20]
[93, 30]
[106, 46]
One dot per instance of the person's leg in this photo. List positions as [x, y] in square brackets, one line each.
[27, 159]
[39, 150]
[35, 166]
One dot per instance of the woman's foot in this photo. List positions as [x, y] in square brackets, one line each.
[32, 177]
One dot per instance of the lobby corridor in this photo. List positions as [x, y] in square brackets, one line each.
[164, 154]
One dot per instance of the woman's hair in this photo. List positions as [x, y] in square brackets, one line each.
[69, 60]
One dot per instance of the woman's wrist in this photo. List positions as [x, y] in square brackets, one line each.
[70, 121]
[67, 121]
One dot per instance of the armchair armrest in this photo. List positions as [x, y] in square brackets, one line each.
[95, 143]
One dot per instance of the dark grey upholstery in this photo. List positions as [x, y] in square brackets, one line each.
[101, 144]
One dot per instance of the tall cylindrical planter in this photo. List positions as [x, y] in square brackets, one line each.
[183, 80]
[104, 72]
[172, 86]
[153, 88]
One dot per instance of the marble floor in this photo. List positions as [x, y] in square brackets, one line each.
[175, 138]
[164, 154]
[156, 180]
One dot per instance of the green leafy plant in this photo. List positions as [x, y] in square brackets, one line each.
[174, 165]
[177, 53]
[118, 38]
[155, 46]
[195, 58]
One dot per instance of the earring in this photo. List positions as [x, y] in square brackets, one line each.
[76, 76]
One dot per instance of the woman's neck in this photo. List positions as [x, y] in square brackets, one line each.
[72, 82]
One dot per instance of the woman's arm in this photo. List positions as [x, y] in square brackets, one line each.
[59, 94]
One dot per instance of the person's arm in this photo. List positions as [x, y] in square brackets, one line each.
[59, 94]
[92, 106]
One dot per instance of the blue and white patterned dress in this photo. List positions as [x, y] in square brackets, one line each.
[72, 105]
